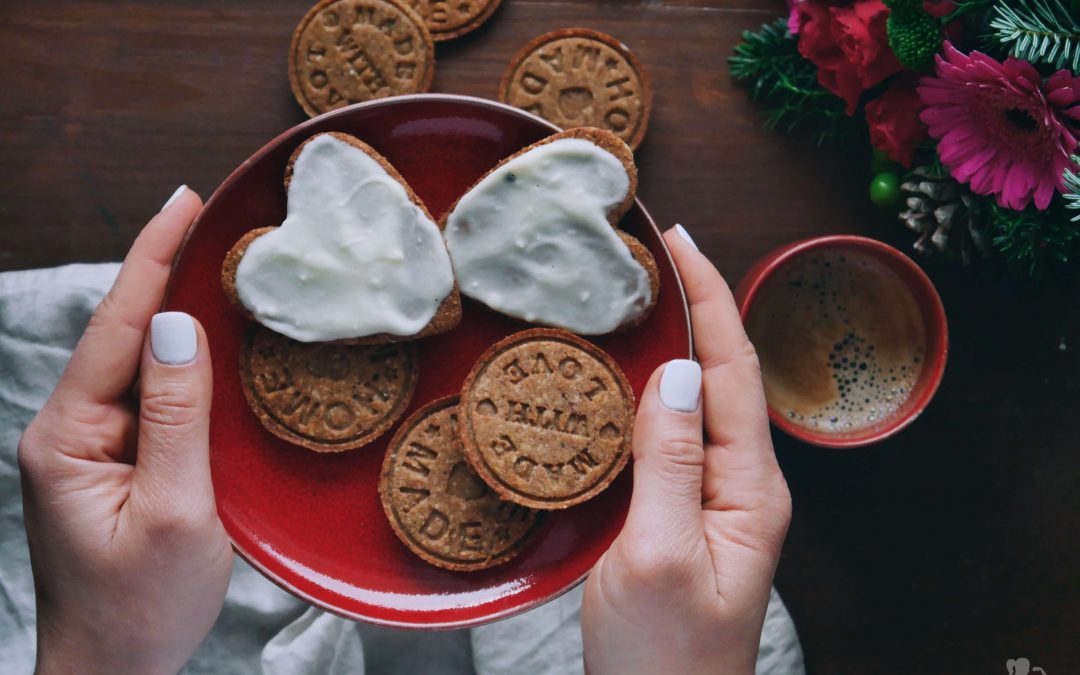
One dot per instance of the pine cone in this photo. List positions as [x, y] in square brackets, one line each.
[946, 215]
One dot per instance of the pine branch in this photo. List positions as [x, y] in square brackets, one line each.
[1040, 31]
[769, 49]
[786, 85]
[965, 7]
[1072, 189]
[1034, 240]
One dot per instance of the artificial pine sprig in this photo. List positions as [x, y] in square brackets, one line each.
[1034, 240]
[1072, 188]
[1039, 31]
[786, 84]
[965, 7]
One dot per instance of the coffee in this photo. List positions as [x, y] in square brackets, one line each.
[841, 340]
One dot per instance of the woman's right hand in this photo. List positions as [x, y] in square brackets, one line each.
[685, 586]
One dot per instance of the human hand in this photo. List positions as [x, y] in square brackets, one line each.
[130, 559]
[685, 585]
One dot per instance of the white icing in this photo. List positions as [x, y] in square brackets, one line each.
[532, 240]
[354, 257]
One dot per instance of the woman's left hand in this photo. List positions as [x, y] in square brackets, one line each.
[130, 559]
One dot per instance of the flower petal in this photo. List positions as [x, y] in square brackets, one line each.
[973, 164]
[971, 106]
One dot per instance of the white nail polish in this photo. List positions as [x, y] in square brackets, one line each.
[680, 385]
[685, 235]
[176, 195]
[173, 339]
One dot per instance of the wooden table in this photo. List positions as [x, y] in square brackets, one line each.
[948, 549]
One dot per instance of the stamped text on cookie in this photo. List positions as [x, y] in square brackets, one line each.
[328, 393]
[450, 18]
[550, 420]
[578, 78]
[350, 51]
[436, 502]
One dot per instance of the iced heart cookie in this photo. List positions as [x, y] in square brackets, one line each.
[358, 257]
[535, 238]
[546, 418]
[438, 506]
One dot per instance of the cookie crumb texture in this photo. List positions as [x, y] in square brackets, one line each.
[324, 396]
[438, 506]
[581, 78]
[547, 419]
[350, 51]
[448, 19]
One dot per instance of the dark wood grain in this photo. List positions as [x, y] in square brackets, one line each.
[947, 549]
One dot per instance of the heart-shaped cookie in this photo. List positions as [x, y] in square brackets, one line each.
[535, 237]
[358, 257]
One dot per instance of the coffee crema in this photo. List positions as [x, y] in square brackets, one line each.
[841, 340]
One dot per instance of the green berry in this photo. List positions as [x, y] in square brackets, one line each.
[885, 189]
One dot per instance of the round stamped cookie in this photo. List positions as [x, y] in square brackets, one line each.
[546, 418]
[448, 19]
[437, 505]
[326, 396]
[349, 51]
[581, 78]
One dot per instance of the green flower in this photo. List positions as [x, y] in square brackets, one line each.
[914, 35]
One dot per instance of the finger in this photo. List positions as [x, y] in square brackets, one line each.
[740, 456]
[734, 398]
[668, 455]
[174, 411]
[106, 359]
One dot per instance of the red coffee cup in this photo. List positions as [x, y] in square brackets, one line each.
[929, 307]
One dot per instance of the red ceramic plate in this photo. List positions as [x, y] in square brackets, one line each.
[313, 523]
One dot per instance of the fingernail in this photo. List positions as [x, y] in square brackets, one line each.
[680, 385]
[685, 235]
[172, 338]
[176, 195]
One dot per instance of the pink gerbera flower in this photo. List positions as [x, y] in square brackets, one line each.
[1000, 128]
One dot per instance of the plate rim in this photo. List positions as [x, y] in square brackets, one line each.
[231, 178]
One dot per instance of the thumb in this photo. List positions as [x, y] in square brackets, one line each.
[669, 458]
[174, 410]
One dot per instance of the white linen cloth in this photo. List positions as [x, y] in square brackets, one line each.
[262, 628]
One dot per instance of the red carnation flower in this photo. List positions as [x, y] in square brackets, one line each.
[894, 123]
[848, 44]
